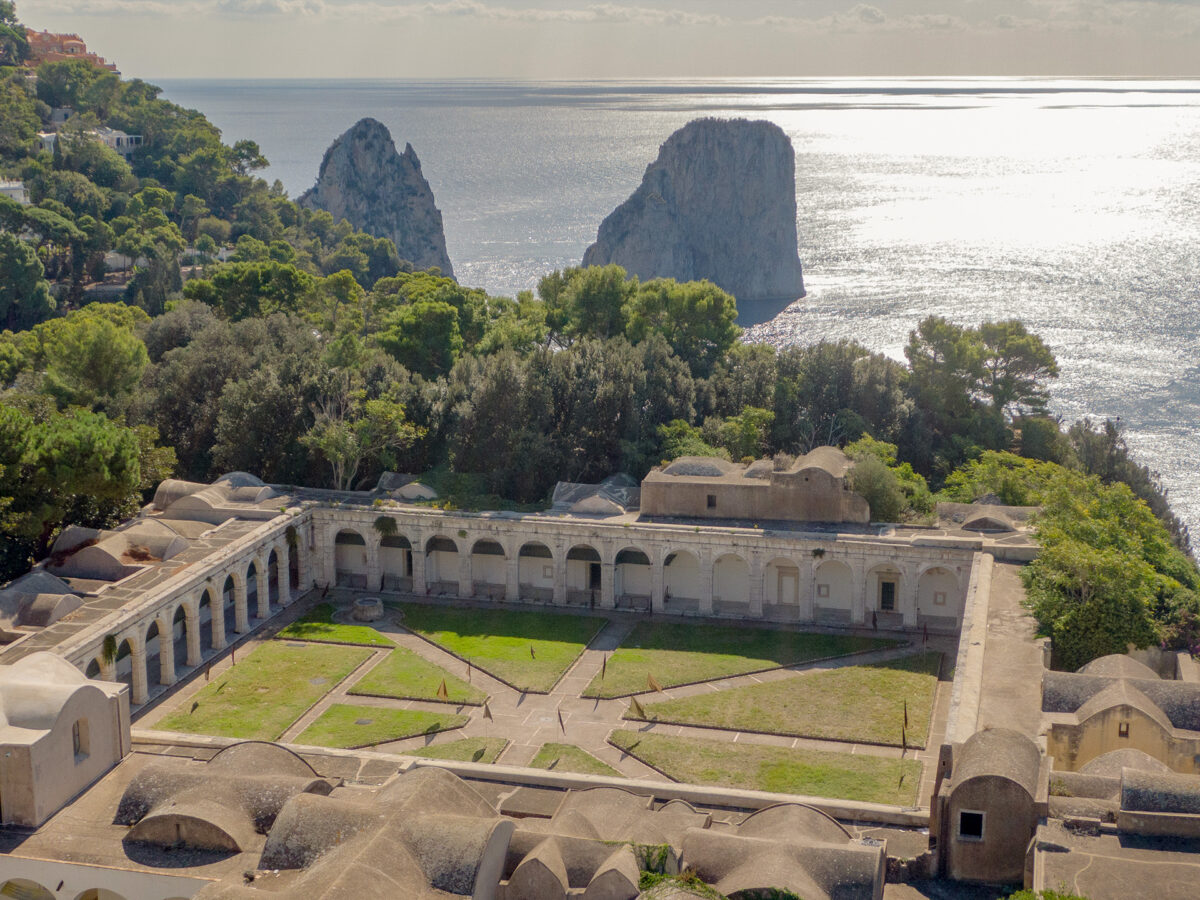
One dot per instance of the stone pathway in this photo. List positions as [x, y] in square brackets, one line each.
[529, 720]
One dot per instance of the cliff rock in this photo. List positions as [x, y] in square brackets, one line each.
[365, 181]
[718, 203]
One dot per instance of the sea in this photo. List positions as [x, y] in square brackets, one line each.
[1073, 205]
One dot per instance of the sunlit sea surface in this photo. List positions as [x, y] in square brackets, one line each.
[1073, 205]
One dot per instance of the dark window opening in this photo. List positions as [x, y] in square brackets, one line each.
[970, 826]
[887, 596]
[1123, 730]
[712, 501]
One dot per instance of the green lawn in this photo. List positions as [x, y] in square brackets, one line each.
[350, 727]
[756, 767]
[569, 758]
[856, 703]
[265, 692]
[407, 676]
[480, 750]
[318, 625]
[681, 653]
[499, 641]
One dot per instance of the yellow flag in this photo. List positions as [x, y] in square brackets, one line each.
[442, 692]
[653, 682]
[637, 708]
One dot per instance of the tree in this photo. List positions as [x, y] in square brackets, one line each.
[241, 290]
[873, 480]
[24, 292]
[1016, 366]
[586, 302]
[744, 435]
[14, 45]
[697, 318]
[19, 121]
[423, 337]
[681, 439]
[91, 360]
[247, 157]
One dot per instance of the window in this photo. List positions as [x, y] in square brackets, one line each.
[939, 598]
[547, 572]
[712, 501]
[79, 739]
[887, 596]
[1123, 730]
[823, 591]
[970, 825]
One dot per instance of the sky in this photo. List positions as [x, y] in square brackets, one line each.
[631, 38]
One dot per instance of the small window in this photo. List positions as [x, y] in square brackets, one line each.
[79, 739]
[887, 596]
[1123, 730]
[939, 598]
[823, 591]
[547, 571]
[970, 825]
[712, 501]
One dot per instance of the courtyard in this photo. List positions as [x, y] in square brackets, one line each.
[837, 714]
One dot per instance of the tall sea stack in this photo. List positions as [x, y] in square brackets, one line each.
[365, 181]
[718, 203]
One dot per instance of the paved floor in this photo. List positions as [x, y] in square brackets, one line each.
[530, 720]
[1011, 694]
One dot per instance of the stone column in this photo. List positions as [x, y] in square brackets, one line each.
[218, 623]
[908, 599]
[657, 582]
[466, 586]
[191, 628]
[262, 586]
[707, 587]
[608, 596]
[374, 566]
[757, 573]
[560, 575]
[512, 575]
[166, 654]
[241, 617]
[806, 591]
[285, 579]
[420, 585]
[858, 594]
[137, 659]
[108, 670]
[304, 540]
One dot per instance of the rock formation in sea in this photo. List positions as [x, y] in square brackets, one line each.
[718, 203]
[382, 192]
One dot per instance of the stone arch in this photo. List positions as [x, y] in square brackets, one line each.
[833, 592]
[939, 592]
[682, 580]
[349, 558]
[584, 574]
[25, 889]
[535, 572]
[488, 568]
[250, 580]
[632, 578]
[441, 565]
[129, 667]
[293, 564]
[209, 617]
[94, 669]
[233, 605]
[396, 562]
[731, 584]
[179, 626]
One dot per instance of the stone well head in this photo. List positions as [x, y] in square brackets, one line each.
[368, 609]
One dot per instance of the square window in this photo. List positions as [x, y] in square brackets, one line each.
[939, 598]
[1123, 730]
[712, 501]
[970, 825]
[547, 572]
[823, 591]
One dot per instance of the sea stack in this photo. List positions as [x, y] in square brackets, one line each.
[718, 203]
[382, 192]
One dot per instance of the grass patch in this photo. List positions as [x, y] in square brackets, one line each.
[266, 692]
[569, 758]
[317, 625]
[499, 640]
[480, 750]
[856, 703]
[349, 727]
[815, 773]
[406, 675]
[684, 653]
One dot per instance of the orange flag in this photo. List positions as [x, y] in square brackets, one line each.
[637, 708]
[442, 692]
[653, 682]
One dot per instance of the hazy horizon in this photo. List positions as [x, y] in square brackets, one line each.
[651, 39]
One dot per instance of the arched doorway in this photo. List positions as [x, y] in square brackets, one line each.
[731, 586]
[206, 618]
[682, 584]
[535, 573]
[273, 600]
[782, 590]
[488, 570]
[93, 669]
[229, 607]
[939, 599]
[583, 576]
[884, 601]
[123, 666]
[179, 637]
[631, 579]
[441, 565]
[350, 560]
[395, 562]
[252, 590]
[833, 593]
[154, 651]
